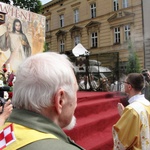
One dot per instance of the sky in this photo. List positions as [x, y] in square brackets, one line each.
[45, 1]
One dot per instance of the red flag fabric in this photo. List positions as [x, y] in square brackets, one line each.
[7, 136]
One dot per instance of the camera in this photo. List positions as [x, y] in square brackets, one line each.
[2, 101]
[3, 96]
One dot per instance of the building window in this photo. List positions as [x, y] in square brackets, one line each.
[76, 40]
[76, 15]
[116, 5]
[61, 20]
[117, 35]
[125, 3]
[47, 26]
[127, 32]
[93, 10]
[94, 39]
[62, 46]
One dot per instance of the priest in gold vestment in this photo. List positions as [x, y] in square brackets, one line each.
[132, 131]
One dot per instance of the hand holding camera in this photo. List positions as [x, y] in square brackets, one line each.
[5, 104]
[7, 109]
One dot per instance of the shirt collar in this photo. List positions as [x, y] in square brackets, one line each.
[139, 98]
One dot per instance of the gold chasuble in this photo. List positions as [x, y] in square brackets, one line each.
[132, 131]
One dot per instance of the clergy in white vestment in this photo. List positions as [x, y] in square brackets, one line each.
[132, 131]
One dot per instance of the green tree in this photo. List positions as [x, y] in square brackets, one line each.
[32, 5]
[46, 47]
[133, 65]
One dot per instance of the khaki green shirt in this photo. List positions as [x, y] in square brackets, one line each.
[38, 122]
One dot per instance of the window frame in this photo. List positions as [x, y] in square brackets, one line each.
[61, 20]
[94, 39]
[76, 15]
[62, 46]
[76, 40]
[125, 3]
[47, 26]
[115, 5]
[93, 10]
[127, 32]
[117, 35]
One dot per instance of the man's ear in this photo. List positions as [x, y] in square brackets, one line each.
[129, 86]
[59, 100]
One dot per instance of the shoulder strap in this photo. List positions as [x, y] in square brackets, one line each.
[26, 135]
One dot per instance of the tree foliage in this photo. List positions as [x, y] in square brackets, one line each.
[133, 65]
[31, 5]
[46, 47]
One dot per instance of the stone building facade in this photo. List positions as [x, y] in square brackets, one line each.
[101, 26]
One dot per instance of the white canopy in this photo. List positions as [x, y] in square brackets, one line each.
[79, 50]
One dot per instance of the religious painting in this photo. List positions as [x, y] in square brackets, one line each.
[22, 35]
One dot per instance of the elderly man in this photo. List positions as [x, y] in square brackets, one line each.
[45, 98]
[132, 131]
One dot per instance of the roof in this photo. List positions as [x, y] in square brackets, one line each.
[53, 2]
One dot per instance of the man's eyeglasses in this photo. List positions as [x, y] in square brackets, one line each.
[127, 83]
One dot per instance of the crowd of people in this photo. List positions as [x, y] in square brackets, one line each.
[93, 83]
[45, 99]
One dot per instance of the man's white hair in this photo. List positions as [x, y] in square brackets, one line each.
[38, 79]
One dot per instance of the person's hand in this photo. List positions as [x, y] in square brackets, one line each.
[120, 108]
[23, 43]
[8, 107]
